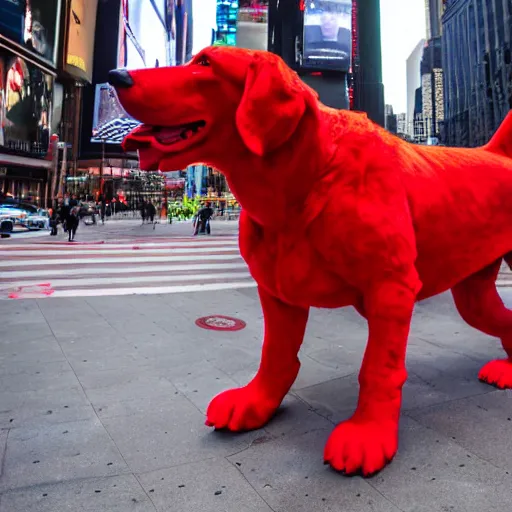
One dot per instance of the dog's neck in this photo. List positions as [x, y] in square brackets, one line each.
[273, 189]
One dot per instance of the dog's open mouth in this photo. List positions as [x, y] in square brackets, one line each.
[145, 136]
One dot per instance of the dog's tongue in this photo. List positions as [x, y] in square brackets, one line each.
[142, 136]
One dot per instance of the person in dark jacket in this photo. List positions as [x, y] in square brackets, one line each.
[202, 223]
[72, 219]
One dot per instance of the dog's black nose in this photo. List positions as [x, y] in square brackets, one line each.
[120, 78]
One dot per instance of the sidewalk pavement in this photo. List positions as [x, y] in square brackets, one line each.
[125, 228]
[103, 401]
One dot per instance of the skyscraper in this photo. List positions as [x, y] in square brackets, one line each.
[477, 63]
[413, 82]
[433, 13]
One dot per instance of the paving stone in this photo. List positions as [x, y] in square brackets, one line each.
[337, 398]
[50, 376]
[313, 372]
[54, 453]
[480, 424]
[432, 473]
[77, 327]
[111, 494]
[156, 439]
[30, 408]
[24, 331]
[209, 486]
[86, 360]
[20, 356]
[295, 417]
[136, 406]
[3, 445]
[289, 474]
[108, 387]
[200, 382]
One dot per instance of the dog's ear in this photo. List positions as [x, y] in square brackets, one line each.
[272, 105]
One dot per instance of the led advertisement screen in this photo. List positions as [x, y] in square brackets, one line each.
[144, 45]
[80, 39]
[110, 122]
[26, 103]
[32, 24]
[327, 35]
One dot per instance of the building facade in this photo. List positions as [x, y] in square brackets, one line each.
[401, 123]
[433, 14]
[432, 88]
[45, 58]
[390, 119]
[477, 62]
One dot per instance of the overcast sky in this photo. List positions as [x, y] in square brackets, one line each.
[402, 27]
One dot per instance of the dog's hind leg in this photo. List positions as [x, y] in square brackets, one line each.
[480, 305]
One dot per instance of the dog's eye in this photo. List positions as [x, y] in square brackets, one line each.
[203, 61]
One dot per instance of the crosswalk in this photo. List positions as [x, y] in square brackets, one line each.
[127, 267]
[60, 269]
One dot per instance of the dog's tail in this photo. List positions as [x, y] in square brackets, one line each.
[501, 141]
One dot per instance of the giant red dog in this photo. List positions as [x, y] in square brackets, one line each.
[336, 212]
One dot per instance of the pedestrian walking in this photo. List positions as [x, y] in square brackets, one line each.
[73, 218]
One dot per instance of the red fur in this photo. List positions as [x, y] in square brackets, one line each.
[336, 212]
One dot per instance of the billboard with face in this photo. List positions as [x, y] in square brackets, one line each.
[327, 34]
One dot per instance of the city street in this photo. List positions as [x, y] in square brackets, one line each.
[122, 258]
[103, 397]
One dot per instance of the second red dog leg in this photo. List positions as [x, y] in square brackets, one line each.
[369, 439]
[480, 305]
[251, 406]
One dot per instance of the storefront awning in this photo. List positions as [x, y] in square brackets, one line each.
[6, 159]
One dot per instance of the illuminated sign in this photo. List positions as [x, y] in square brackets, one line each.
[32, 24]
[80, 38]
[328, 34]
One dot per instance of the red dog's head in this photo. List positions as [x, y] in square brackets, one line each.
[225, 99]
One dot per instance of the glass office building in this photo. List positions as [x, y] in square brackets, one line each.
[476, 52]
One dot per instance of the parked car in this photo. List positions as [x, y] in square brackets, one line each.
[16, 214]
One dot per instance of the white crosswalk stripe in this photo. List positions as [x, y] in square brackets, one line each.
[36, 270]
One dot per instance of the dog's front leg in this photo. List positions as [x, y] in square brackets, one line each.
[251, 406]
[369, 439]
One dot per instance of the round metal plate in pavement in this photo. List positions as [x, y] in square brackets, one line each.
[220, 323]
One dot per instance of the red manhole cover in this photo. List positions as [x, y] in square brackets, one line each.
[220, 323]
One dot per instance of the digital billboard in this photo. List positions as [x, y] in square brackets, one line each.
[227, 16]
[32, 24]
[110, 121]
[26, 105]
[327, 34]
[80, 38]
[143, 44]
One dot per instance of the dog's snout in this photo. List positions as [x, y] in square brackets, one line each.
[120, 78]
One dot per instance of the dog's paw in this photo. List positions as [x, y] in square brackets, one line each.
[361, 447]
[497, 373]
[240, 409]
